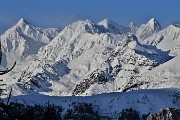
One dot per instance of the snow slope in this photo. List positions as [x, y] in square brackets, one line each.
[20, 43]
[113, 27]
[133, 27]
[148, 29]
[166, 39]
[24, 39]
[86, 58]
[111, 104]
[74, 49]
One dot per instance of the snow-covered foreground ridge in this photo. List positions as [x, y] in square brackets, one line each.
[86, 58]
[111, 104]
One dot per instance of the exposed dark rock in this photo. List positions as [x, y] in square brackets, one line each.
[165, 114]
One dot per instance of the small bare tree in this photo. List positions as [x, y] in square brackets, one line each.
[2, 72]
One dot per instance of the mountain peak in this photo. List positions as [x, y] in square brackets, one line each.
[154, 24]
[146, 30]
[113, 27]
[132, 24]
[133, 27]
[176, 25]
[107, 22]
[82, 26]
[22, 21]
[152, 21]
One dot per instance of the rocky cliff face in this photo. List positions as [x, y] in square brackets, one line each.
[165, 114]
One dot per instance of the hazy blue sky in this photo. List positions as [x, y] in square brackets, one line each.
[59, 13]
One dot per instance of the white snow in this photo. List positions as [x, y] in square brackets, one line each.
[148, 29]
[113, 27]
[111, 104]
[166, 39]
[55, 64]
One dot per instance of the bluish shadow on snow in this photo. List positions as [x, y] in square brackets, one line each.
[57, 70]
[152, 52]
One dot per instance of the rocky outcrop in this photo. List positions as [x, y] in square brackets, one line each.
[165, 114]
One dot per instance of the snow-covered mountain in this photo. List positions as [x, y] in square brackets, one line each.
[113, 27]
[148, 29]
[133, 27]
[24, 39]
[20, 43]
[86, 58]
[166, 39]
